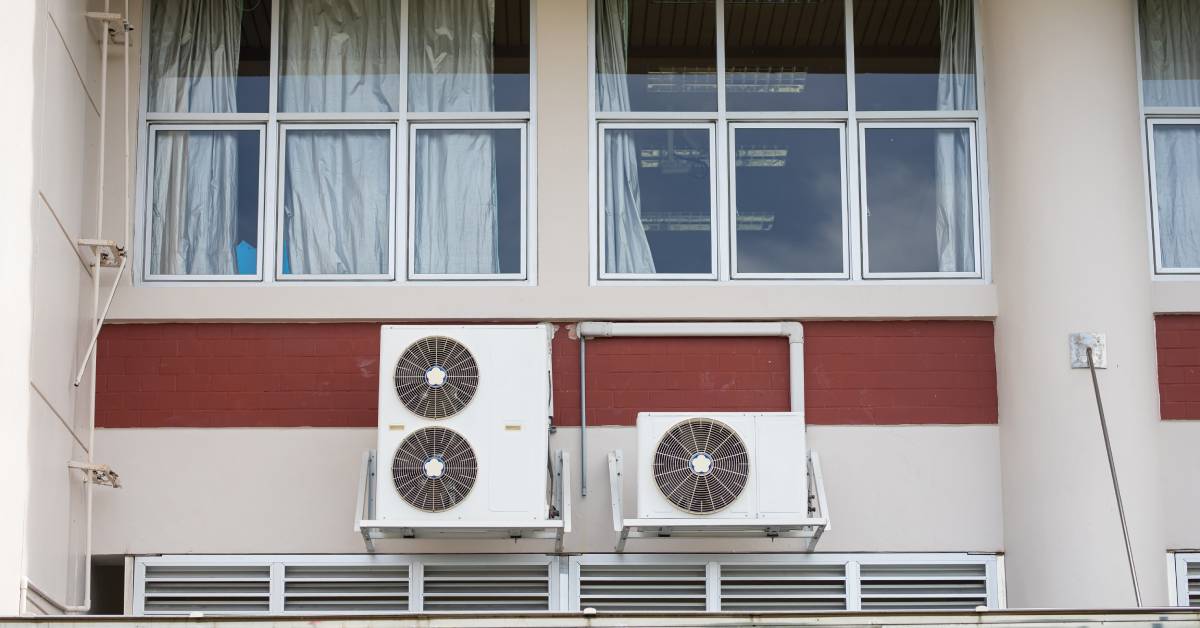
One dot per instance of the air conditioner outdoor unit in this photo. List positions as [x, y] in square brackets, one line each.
[722, 465]
[463, 424]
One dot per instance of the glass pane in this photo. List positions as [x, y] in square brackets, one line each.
[653, 55]
[339, 55]
[209, 57]
[920, 200]
[1177, 193]
[914, 55]
[657, 201]
[336, 202]
[788, 200]
[467, 209]
[1170, 52]
[468, 55]
[785, 56]
[204, 203]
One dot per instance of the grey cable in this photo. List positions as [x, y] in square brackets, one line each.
[1112, 468]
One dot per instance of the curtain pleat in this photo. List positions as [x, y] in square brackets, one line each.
[193, 68]
[952, 156]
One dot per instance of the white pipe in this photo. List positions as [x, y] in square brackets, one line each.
[791, 330]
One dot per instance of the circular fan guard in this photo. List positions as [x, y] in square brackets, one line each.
[701, 465]
[434, 469]
[436, 377]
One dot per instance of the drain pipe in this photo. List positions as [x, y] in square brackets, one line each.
[791, 330]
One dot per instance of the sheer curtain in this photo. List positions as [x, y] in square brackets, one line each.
[952, 158]
[338, 56]
[450, 57]
[1171, 78]
[193, 68]
[626, 249]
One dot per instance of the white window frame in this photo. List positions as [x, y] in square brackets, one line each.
[410, 225]
[1151, 175]
[850, 118]
[710, 128]
[284, 128]
[865, 208]
[152, 131]
[732, 175]
[273, 121]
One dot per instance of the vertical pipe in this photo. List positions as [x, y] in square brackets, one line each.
[582, 415]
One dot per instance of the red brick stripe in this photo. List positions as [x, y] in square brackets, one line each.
[325, 374]
[1179, 366]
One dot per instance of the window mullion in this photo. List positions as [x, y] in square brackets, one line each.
[853, 197]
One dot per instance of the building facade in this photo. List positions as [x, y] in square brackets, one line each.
[940, 193]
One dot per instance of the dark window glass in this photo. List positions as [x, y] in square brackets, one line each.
[785, 56]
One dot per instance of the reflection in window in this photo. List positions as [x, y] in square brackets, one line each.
[204, 203]
[1170, 52]
[336, 202]
[785, 56]
[1177, 193]
[339, 56]
[209, 57]
[653, 55]
[468, 55]
[788, 205]
[467, 201]
[914, 55]
[919, 200]
[657, 201]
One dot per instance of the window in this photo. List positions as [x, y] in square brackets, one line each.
[769, 139]
[363, 140]
[1170, 73]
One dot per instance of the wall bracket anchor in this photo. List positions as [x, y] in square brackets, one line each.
[100, 474]
[1080, 341]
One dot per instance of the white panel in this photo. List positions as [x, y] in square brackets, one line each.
[780, 463]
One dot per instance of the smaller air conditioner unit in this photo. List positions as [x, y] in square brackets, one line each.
[721, 465]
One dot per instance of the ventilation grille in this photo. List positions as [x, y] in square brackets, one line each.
[434, 469]
[772, 587]
[345, 588]
[642, 587]
[487, 587]
[923, 587]
[209, 589]
[700, 465]
[1193, 583]
[436, 377]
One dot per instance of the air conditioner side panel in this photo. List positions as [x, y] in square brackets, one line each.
[781, 466]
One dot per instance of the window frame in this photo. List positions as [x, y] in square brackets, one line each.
[722, 119]
[147, 233]
[1152, 179]
[865, 210]
[845, 205]
[274, 121]
[714, 203]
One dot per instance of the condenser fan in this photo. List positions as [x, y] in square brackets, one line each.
[701, 465]
[434, 469]
[436, 377]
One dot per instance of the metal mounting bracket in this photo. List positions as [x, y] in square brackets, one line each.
[100, 474]
[105, 253]
[1080, 341]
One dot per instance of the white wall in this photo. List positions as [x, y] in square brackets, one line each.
[292, 490]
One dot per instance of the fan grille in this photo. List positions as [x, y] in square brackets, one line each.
[436, 377]
[701, 465]
[434, 469]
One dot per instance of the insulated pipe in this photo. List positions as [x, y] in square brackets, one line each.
[791, 330]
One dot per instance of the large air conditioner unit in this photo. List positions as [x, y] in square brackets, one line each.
[463, 424]
[722, 465]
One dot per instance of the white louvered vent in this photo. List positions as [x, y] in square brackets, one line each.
[210, 589]
[345, 588]
[923, 586]
[642, 587]
[1192, 582]
[782, 587]
[487, 587]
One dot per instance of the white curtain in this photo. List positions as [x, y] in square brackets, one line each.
[626, 248]
[1171, 77]
[450, 56]
[952, 158]
[338, 56]
[194, 47]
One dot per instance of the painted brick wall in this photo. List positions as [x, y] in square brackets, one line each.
[1179, 366]
[871, 372]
